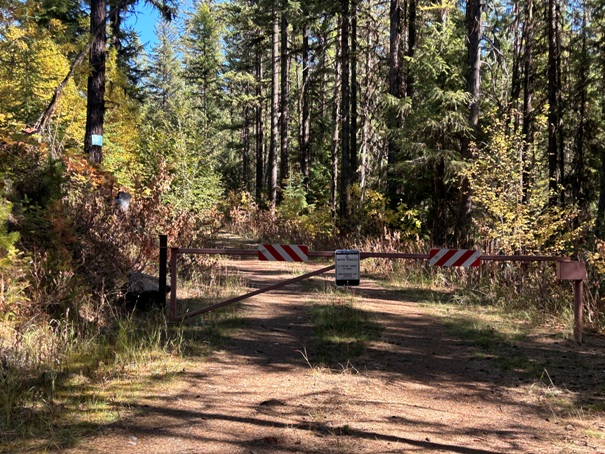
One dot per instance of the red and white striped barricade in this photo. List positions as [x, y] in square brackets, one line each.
[283, 252]
[467, 258]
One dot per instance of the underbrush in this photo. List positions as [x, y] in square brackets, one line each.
[72, 355]
[528, 291]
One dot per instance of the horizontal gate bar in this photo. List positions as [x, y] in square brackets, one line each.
[524, 258]
[184, 250]
[386, 255]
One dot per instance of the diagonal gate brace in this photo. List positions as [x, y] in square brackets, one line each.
[249, 295]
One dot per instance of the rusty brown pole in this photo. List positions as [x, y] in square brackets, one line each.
[173, 255]
[256, 292]
[163, 271]
[578, 309]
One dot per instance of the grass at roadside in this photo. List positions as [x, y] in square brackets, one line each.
[495, 335]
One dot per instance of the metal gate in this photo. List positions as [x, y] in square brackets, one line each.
[566, 269]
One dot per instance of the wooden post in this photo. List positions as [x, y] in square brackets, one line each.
[173, 255]
[163, 271]
[578, 309]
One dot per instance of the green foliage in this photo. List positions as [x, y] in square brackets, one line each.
[406, 220]
[294, 201]
[300, 223]
[439, 112]
[121, 130]
[34, 60]
[12, 266]
[203, 59]
[7, 240]
[512, 213]
[435, 120]
[171, 141]
[165, 80]
[175, 137]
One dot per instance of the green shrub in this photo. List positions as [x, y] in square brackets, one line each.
[12, 267]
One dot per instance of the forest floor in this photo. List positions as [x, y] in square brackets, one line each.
[417, 387]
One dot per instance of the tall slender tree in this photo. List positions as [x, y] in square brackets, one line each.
[272, 173]
[346, 177]
[397, 30]
[259, 125]
[473, 24]
[305, 129]
[528, 97]
[354, 94]
[284, 116]
[554, 117]
[95, 112]
[337, 118]
[203, 60]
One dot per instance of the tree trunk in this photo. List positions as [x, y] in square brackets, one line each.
[115, 26]
[345, 110]
[354, 165]
[259, 126]
[336, 117]
[368, 95]
[528, 94]
[600, 225]
[285, 94]
[473, 17]
[246, 150]
[515, 91]
[52, 105]
[396, 16]
[439, 230]
[95, 110]
[305, 143]
[473, 22]
[411, 46]
[600, 221]
[553, 107]
[272, 182]
[578, 186]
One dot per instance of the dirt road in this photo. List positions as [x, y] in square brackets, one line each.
[416, 388]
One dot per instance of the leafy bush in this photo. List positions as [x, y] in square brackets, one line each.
[512, 212]
[12, 267]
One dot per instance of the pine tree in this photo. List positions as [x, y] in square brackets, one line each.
[203, 59]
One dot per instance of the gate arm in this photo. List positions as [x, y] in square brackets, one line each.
[254, 293]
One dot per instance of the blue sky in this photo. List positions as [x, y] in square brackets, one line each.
[144, 23]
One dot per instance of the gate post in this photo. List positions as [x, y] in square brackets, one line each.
[173, 256]
[578, 309]
[163, 271]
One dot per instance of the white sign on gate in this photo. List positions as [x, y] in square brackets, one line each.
[347, 267]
